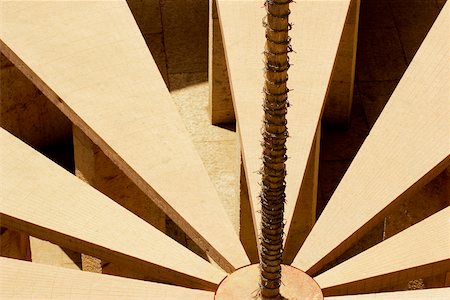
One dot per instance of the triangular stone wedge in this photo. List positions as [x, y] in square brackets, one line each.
[90, 60]
[315, 36]
[423, 244]
[406, 148]
[26, 280]
[426, 294]
[44, 200]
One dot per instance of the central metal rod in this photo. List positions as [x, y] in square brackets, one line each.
[274, 157]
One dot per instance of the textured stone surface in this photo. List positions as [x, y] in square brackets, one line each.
[381, 61]
[30, 116]
[382, 34]
[147, 14]
[430, 199]
[339, 99]
[216, 146]
[155, 43]
[391, 31]
[27, 113]
[413, 19]
[44, 252]
[220, 100]
[94, 167]
[14, 244]
[185, 35]
[243, 284]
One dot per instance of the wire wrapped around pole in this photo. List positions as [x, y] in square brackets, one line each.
[276, 53]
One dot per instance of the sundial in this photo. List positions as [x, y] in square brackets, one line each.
[90, 60]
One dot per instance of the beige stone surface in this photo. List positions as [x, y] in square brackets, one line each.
[374, 93]
[432, 198]
[374, 96]
[413, 19]
[30, 116]
[220, 100]
[185, 35]
[14, 244]
[243, 284]
[414, 208]
[215, 145]
[147, 14]
[109, 100]
[26, 112]
[155, 43]
[98, 226]
[340, 92]
[390, 35]
[22, 280]
[390, 164]
[44, 252]
[247, 232]
[315, 38]
[429, 294]
[94, 167]
[91, 263]
[339, 99]
[339, 146]
[405, 251]
[306, 206]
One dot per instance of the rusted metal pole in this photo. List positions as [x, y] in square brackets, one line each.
[275, 134]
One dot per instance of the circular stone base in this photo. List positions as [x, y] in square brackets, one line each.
[244, 284]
